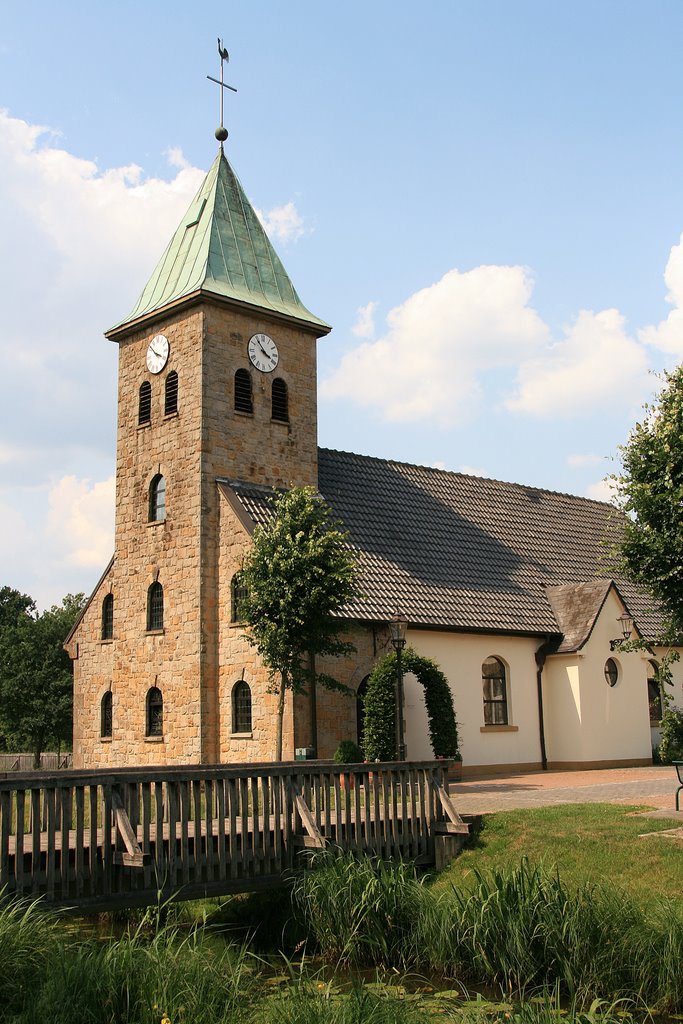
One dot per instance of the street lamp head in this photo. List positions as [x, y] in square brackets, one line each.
[626, 622]
[398, 625]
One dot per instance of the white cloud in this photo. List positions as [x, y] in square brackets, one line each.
[597, 364]
[282, 223]
[473, 471]
[364, 326]
[582, 461]
[439, 341]
[601, 490]
[668, 334]
[81, 520]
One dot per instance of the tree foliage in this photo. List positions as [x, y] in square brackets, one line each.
[35, 671]
[379, 707]
[298, 573]
[650, 492]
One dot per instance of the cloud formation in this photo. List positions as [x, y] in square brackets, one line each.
[364, 326]
[668, 334]
[438, 343]
[282, 223]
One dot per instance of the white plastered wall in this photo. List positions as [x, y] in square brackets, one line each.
[460, 657]
[588, 721]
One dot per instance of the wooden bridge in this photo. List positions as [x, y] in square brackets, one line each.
[103, 839]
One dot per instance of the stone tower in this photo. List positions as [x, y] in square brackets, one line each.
[217, 382]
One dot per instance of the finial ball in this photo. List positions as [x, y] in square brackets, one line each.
[221, 133]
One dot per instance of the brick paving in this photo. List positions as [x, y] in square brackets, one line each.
[653, 787]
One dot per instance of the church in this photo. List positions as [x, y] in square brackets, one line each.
[503, 585]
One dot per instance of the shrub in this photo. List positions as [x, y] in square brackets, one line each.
[671, 742]
[348, 752]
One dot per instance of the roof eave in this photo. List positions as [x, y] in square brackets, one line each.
[317, 327]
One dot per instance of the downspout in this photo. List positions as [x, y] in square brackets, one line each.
[540, 656]
[313, 704]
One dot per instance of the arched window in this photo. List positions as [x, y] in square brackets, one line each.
[280, 405]
[154, 713]
[145, 402]
[108, 617]
[106, 715]
[243, 399]
[654, 692]
[238, 592]
[241, 707]
[155, 607]
[171, 394]
[495, 692]
[157, 499]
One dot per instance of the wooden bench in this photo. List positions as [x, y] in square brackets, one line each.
[678, 765]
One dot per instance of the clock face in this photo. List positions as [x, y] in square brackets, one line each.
[263, 352]
[157, 353]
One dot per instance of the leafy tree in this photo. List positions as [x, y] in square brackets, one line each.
[298, 573]
[650, 492]
[35, 671]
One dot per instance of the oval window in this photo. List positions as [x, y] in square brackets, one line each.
[611, 672]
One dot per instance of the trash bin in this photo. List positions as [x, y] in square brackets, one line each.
[304, 754]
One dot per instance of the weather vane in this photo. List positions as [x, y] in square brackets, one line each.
[221, 132]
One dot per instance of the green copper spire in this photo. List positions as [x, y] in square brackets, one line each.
[220, 248]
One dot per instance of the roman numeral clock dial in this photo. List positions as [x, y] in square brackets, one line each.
[263, 353]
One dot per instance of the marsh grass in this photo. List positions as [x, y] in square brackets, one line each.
[520, 929]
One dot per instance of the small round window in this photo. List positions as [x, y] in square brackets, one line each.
[611, 672]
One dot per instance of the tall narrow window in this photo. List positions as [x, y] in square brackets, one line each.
[495, 692]
[155, 607]
[243, 399]
[280, 405]
[145, 402]
[171, 394]
[157, 499]
[154, 725]
[106, 719]
[241, 707]
[238, 594]
[108, 617]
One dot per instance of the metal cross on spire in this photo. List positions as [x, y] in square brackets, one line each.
[221, 132]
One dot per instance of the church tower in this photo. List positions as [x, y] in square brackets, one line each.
[216, 384]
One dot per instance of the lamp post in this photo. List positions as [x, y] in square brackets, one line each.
[397, 628]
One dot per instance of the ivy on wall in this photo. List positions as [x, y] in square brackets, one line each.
[379, 709]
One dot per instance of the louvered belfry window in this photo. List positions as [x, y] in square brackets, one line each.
[145, 402]
[280, 406]
[157, 499]
[171, 394]
[243, 398]
[239, 593]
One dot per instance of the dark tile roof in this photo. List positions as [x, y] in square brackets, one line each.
[463, 552]
[576, 607]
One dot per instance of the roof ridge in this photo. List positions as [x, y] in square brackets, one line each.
[471, 476]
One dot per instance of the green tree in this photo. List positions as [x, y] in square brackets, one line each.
[298, 573]
[649, 491]
[36, 692]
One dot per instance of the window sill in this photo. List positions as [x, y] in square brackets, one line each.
[154, 632]
[283, 423]
[243, 412]
[105, 739]
[154, 739]
[171, 415]
[109, 640]
[155, 522]
[144, 426]
[499, 728]
[241, 735]
[655, 723]
[237, 625]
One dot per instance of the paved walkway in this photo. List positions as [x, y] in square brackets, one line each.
[653, 787]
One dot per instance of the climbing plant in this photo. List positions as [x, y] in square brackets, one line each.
[379, 708]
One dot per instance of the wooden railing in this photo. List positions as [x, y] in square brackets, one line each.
[115, 838]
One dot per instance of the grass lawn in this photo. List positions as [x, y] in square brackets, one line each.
[586, 842]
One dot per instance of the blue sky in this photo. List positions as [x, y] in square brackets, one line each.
[484, 199]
